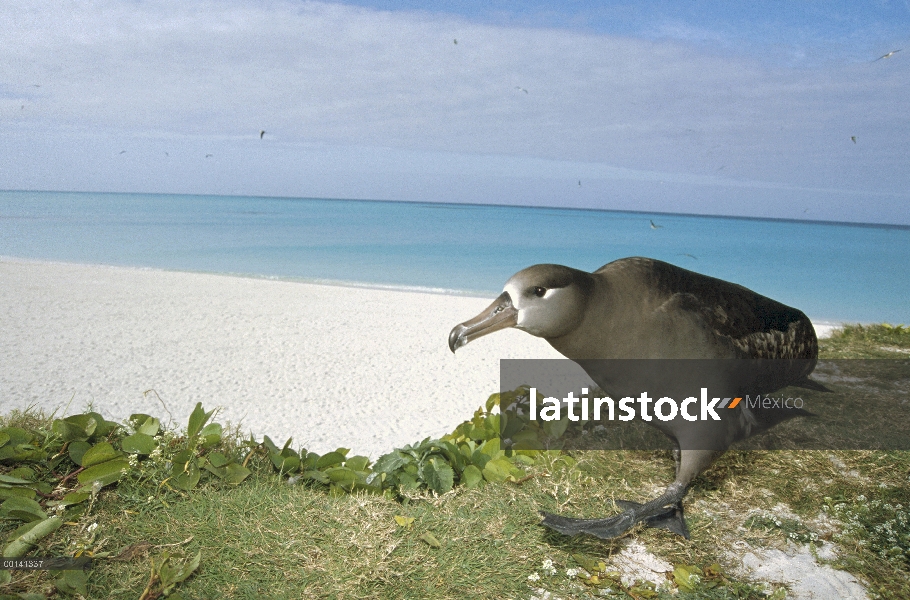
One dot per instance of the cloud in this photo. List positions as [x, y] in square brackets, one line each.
[337, 76]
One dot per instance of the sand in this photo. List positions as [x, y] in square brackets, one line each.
[330, 366]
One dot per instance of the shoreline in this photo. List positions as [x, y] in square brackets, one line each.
[330, 365]
[255, 276]
[823, 327]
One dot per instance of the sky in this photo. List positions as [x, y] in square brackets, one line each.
[764, 109]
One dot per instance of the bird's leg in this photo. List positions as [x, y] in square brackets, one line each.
[672, 519]
[664, 512]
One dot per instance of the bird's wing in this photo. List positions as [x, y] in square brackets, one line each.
[754, 325]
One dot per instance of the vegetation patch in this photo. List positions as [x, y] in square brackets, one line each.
[867, 341]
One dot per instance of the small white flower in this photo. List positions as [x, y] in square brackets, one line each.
[533, 577]
[92, 527]
[571, 572]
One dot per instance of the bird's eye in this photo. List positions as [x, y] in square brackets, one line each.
[540, 291]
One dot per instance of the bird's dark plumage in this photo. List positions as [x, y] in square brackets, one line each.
[640, 308]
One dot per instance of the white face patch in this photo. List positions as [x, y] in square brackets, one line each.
[554, 312]
[534, 312]
[514, 293]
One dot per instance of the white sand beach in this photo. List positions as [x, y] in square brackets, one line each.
[330, 366]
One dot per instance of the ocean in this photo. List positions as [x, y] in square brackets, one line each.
[833, 272]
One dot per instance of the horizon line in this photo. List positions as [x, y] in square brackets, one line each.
[864, 224]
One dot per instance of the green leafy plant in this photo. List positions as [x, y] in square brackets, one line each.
[470, 456]
[169, 569]
[189, 463]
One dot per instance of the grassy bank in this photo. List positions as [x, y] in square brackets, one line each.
[335, 530]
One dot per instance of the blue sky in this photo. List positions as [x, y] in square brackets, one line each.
[757, 109]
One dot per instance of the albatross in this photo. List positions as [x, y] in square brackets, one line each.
[640, 308]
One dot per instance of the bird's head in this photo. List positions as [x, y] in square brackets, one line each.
[547, 301]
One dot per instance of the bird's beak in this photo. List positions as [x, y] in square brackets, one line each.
[499, 315]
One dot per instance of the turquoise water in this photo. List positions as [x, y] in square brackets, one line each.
[832, 272]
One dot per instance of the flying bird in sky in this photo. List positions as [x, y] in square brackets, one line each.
[261, 133]
[655, 226]
[889, 55]
[518, 87]
[853, 137]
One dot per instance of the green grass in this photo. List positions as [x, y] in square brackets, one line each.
[265, 538]
[867, 341]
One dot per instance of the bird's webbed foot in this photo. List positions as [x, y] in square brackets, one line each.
[670, 518]
[605, 529]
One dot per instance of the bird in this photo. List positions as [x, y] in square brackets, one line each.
[889, 55]
[655, 226]
[123, 152]
[456, 41]
[518, 87]
[579, 182]
[642, 308]
[209, 155]
[689, 255]
[853, 137]
[261, 133]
